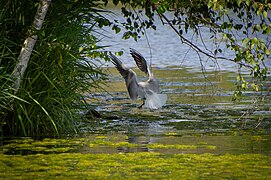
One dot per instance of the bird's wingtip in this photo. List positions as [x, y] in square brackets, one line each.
[133, 51]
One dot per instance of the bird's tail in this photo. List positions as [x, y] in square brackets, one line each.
[155, 101]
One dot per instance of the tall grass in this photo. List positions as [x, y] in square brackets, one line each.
[58, 75]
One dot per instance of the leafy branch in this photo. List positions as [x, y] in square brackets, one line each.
[244, 26]
[192, 45]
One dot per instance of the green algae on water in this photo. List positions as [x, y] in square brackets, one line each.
[45, 146]
[135, 166]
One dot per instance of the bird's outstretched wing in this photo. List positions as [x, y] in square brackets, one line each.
[123, 70]
[140, 61]
[129, 76]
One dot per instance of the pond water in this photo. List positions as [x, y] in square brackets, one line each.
[199, 134]
[164, 48]
[199, 112]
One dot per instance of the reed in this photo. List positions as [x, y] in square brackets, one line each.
[58, 75]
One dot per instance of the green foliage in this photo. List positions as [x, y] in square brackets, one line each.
[252, 45]
[136, 21]
[61, 69]
[244, 26]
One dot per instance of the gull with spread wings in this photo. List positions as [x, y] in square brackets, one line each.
[148, 90]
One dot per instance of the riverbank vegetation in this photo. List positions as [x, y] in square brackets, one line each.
[51, 94]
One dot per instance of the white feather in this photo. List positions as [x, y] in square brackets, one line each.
[155, 101]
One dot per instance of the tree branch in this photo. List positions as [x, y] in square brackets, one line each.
[193, 46]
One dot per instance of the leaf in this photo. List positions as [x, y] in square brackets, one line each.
[265, 14]
[238, 26]
[210, 4]
[16, 97]
[22, 124]
[244, 86]
[259, 11]
[81, 49]
[126, 35]
[239, 2]
[254, 40]
[119, 53]
[116, 28]
[255, 87]
[245, 41]
[47, 114]
[248, 2]
[267, 51]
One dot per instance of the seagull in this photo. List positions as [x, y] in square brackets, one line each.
[148, 90]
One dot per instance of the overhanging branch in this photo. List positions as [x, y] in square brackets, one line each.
[195, 47]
